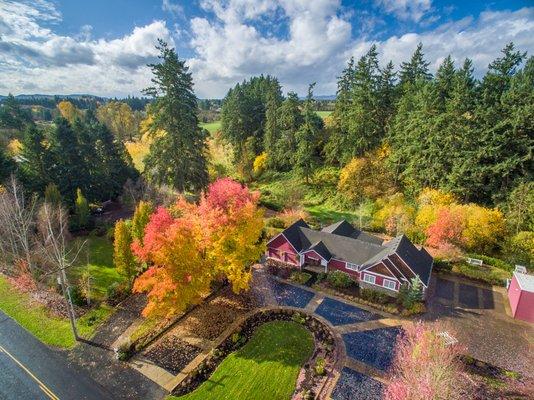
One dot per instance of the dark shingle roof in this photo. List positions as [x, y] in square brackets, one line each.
[344, 228]
[292, 233]
[343, 241]
[321, 249]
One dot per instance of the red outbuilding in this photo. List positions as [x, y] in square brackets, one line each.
[521, 295]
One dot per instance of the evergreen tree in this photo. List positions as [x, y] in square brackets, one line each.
[81, 210]
[445, 79]
[305, 158]
[11, 114]
[415, 69]
[140, 219]
[7, 166]
[290, 119]
[123, 257]
[272, 128]
[176, 157]
[52, 195]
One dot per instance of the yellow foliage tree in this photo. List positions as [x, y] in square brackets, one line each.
[120, 119]
[123, 257]
[484, 229]
[260, 163]
[394, 215]
[68, 110]
[366, 177]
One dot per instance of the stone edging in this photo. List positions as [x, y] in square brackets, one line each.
[207, 362]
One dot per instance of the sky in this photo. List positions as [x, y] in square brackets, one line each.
[102, 47]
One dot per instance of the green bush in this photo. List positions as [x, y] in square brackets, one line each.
[76, 296]
[374, 296]
[414, 309]
[442, 265]
[488, 274]
[321, 277]
[299, 319]
[494, 262]
[116, 292]
[275, 222]
[320, 364]
[339, 280]
[300, 277]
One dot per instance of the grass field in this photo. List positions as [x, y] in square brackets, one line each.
[324, 114]
[97, 259]
[265, 368]
[50, 330]
[211, 126]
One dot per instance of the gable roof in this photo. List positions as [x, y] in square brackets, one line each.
[321, 249]
[418, 260]
[344, 228]
[344, 242]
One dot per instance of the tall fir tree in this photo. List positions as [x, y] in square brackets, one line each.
[305, 158]
[178, 156]
[272, 128]
[415, 69]
[290, 119]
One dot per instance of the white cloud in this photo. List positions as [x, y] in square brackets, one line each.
[175, 9]
[406, 10]
[236, 39]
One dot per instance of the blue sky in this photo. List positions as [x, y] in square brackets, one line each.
[102, 47]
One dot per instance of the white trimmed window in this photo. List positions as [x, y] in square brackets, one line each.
[369, 278]
[352, 267]
[389, 284]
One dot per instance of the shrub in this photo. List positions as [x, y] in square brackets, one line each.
[411, 294]
[442, 265]
[520, 248]
[275, 222]
[321, 277]
[494, 262]
[374, 296]
[290, 216]
[416, 308]
[76, 296]
[299, 319]
[488, 274]
[116, 292]
[320, 364]
[300, 277]
[339, 280]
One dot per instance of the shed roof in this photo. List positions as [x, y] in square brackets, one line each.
[525, 281]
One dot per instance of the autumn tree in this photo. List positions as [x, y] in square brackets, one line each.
[68, 111]
[120, 119]
[425, 366]
[189, 245]
[123, 257]
[447, 230]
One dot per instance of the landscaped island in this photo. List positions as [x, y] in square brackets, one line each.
[266, 367]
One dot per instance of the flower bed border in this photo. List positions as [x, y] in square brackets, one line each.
[309, 384]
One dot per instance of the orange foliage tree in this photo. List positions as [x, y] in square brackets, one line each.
[189, 245]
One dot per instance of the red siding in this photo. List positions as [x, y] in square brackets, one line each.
[521, 302]
[312, 255]
[282, 250]
[379, 280]
[342, 266]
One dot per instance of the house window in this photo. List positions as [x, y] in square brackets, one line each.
[389, 284]
[369, 278]
[352, 267]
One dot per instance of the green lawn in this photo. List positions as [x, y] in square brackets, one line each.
[97, 258]
[50, 330]
[324, 114]
[265, 368]
[211, 126]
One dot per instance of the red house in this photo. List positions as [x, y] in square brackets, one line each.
[521, 296]
[366, 258]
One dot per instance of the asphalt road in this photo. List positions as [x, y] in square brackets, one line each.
[29, 370]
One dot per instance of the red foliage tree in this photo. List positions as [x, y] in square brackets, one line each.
[447, 230]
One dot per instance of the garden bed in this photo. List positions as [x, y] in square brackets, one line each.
[172, 354]
[313, 375]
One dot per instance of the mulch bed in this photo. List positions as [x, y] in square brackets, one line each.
[172, 354]
[209, 320]
[353, 385]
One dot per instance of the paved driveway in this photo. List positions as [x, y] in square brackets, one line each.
[478, 316]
